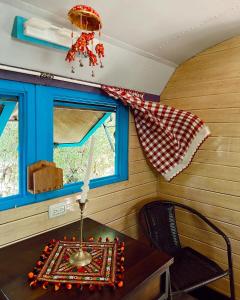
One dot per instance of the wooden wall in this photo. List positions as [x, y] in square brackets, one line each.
[209, 86]
[115, 204]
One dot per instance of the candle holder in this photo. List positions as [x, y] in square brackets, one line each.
[81, 258]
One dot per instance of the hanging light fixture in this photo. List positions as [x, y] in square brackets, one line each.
[88, 21]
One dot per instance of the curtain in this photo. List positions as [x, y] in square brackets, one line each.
[169, 136]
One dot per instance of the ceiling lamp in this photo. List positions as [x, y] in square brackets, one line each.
[88, 21]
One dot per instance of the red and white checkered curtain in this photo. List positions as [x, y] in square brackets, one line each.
[169, 136]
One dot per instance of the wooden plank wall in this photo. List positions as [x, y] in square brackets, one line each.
[209, 86]
[115, 205]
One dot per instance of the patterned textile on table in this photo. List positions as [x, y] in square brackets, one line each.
[169, 136]
[104, 270]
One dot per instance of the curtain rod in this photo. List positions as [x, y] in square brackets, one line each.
[68, 80]
[48, 75]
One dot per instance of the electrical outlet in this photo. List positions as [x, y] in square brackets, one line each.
[57, 210]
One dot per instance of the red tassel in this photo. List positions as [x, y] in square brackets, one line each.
[122, 269]
[57, 286]
[45, 285]
[33, 283]
[91, 288]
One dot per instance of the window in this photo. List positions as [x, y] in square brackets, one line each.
[55, 124]
[9, 148]
[73, 127]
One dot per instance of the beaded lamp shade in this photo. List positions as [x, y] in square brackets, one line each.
[85, 18]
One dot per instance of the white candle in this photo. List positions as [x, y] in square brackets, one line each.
[85, 187]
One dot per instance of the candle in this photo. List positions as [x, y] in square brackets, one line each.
[85, 187]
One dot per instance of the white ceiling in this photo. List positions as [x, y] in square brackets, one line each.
[164, 29]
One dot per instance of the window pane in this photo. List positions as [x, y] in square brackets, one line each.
[72, 129]
[9, 143]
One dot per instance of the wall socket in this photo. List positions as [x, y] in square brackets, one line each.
[57, 210]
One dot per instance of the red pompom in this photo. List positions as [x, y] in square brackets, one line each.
[120, 276]
[30, 275]
[122, 248]
[68, 286]
[81, 269]
[120, 284]
[39, 263]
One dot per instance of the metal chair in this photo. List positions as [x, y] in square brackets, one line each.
[190, 269]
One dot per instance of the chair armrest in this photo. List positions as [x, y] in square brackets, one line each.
[207, 221]
[213, 226]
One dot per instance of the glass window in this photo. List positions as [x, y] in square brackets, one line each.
[73, 127]
[9, 146]
[55, 124]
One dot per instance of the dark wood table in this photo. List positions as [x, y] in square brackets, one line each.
[144, 267]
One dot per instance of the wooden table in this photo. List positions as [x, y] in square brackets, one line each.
[143, 266]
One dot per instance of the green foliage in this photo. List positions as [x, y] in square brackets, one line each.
[9, 160]
[74, 160]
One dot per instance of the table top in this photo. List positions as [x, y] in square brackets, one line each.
[141, 262]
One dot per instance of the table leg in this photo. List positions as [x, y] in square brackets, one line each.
[165, 286]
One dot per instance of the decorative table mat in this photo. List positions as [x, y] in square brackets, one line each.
[54, 268]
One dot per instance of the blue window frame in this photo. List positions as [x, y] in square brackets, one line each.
[8, 108]
[87, 136]
[36, 106]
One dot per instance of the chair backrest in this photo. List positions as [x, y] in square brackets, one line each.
[158, 219]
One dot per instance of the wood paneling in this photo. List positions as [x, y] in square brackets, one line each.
[209, 86]
[203, 88]
[226, 144]
[215, 101]
[115, 204]
[228, 44]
